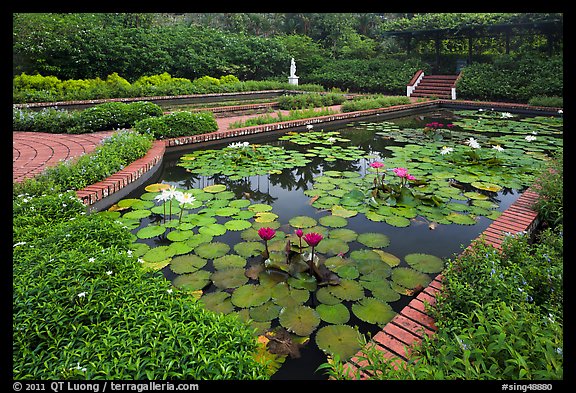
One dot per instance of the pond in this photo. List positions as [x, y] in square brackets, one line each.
[391, 200]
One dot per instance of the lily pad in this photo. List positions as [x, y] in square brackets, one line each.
[341, 340]
[249, 249]
[265, 312]
[151, 231]
[157, 187]
[332, 246]
[347, 290]
[333, 221]
[425, 263]
[187, 263]
[344, 234]
[409, 278]
[302, 222]
[229, 278]
[157, 254]
[251, 295]
[237, 225]
[374, 239]
[301, 320]
[215, 188]
[218, 302]
[287, 296]
[213, 229]
[374, 311]
[137, 214]
[212, 250]
[335, 314]
[486, 186]
[228, 261]
[192, 281]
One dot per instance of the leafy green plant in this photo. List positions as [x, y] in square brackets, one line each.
[550, 188]
[177, 124]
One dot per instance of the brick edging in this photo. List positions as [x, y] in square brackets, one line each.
[102, 189]
[408, 327]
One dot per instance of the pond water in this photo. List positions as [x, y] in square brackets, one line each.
[326, 181]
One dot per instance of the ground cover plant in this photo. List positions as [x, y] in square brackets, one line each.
[84, 308]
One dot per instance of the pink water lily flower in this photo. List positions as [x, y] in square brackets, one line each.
[266, 233]
[299, 232]
[313, 238]
[400, 172]
[377, 164]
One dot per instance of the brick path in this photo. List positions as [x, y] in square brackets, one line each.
[34, 151]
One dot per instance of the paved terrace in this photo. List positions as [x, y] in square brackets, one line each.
[32, 152]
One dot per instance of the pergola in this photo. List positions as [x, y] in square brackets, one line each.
[552, 30]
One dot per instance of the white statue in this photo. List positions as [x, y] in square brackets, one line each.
[292, 68]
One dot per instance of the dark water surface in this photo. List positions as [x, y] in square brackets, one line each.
[285, 193]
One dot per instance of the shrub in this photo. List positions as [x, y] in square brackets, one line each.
[50, 120]
[554, 101]
[550, 188]
[84, 308]
[181, 123]
[114, 115]
[375, 102]
[309, 100]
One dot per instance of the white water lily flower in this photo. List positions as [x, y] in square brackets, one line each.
[498, 148]
[506, 114]
[473, 143]
[239, 145]
[185, 197]
[530, 138]
[331, 140]
[446, 150]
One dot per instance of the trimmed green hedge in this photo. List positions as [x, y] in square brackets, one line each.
[177, 124]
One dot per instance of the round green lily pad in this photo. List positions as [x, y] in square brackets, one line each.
[486, 186]
[237, 225]
[335, 314]
[179, 235]
[333, 221]
[425, 263]
[347, 290]
[229, 278]
[301, 320]
[374, 311]
[214, 188]
[391, 259]
[373, 239]
[341, 340]
[137, 214]
[332, 246]
[409, 278]
[302, 222]
[187, 263]
[218, 302]
[249, 249]
[287, 296]
[344, 234]
[213, 229]
[228, 261]
[151, 231]
[157, 254]
[212, 250]
[265, 312]
[251, 295]
[192, 281]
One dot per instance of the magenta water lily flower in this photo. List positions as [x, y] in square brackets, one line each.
[266, 234]
[403, 174]
[377, 164]
[299, 233]
[313, 238]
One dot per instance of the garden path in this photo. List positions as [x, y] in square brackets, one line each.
[34, 151]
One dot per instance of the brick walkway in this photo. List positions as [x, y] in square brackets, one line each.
[34, 151]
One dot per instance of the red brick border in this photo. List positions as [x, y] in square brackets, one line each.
[414, 320]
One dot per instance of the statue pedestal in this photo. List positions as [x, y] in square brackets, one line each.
[293, 80]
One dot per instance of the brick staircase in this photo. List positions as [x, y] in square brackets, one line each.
[436, 86]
